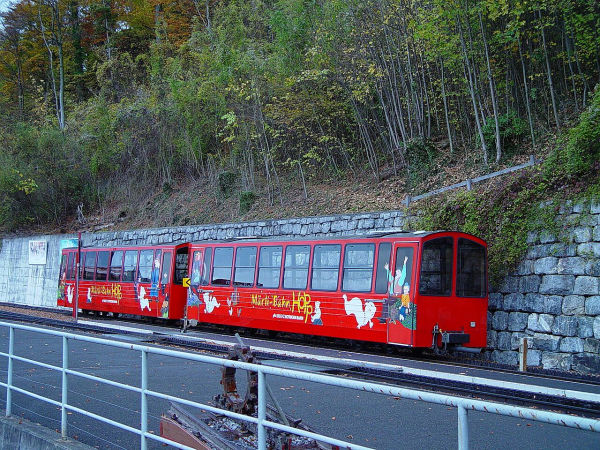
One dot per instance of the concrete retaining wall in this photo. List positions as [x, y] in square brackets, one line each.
[21, 434]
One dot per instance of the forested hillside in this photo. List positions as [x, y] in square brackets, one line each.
[126, 103]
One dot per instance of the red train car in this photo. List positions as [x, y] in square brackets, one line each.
[145, 280]
[411, 289]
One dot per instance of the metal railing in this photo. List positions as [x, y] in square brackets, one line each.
[469, 182]
[463, 405]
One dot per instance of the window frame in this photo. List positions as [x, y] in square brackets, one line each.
[230, 279]
[279, 268]
[236, 266]
[294, 267]
[110, 266]
[458, 265]
[337, 268]
[450, 272]
[372, 266]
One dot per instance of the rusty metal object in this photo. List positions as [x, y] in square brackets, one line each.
[230, 399]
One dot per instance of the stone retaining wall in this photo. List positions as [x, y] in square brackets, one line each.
[553, 298]
[336, 225]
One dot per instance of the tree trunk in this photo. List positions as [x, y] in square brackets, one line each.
[492, 91]
[548, 71]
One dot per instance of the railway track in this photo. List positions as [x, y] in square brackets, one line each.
[532, 399]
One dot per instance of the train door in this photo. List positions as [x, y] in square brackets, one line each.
[402, 311]
[194, 291]
[164, 288]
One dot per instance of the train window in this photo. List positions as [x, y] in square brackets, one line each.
[269, 266]
[295, 272]
[71, 268]
[436, 267]
[129, 265]
[245, 264]
[206, 266]
[63, 268]
[358, 267]
[116, 266]
[90, 265]
[399, 281]
[470, 269]
[145, 269]
[102, 266]
[196, 272]
[181, 265]
[165, 277]
[383, 258]
[221, 275]
[326, 267]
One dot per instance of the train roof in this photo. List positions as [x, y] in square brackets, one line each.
[404, 235]
[391, 234]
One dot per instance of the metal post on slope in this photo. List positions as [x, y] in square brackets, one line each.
[65, 388]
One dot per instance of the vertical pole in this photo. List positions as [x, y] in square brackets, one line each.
[463, 429]
[78, 261]
[523, 355]
[65, 366]
[262, 411]
[144, 405]
[9, 378]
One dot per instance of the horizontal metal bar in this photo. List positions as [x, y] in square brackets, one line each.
[31, 394]
[32, 361]
[103, 419]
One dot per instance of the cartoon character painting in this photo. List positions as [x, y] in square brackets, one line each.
[316, 317]
[210, 303]
[144, 302]
[154, 278]
[364, 314]
[88, 299]
[70, 290]
[164, 310]
[398, 308]
[395, 282]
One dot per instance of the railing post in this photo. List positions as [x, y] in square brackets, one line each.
[9, 377]
[463, 429]
[262, 411]
[65, 366]
[144, 405]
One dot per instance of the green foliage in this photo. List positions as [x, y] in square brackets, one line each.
[420, 156]
[512, 130]
[247, 199]
[227, 182]
[583, 144]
